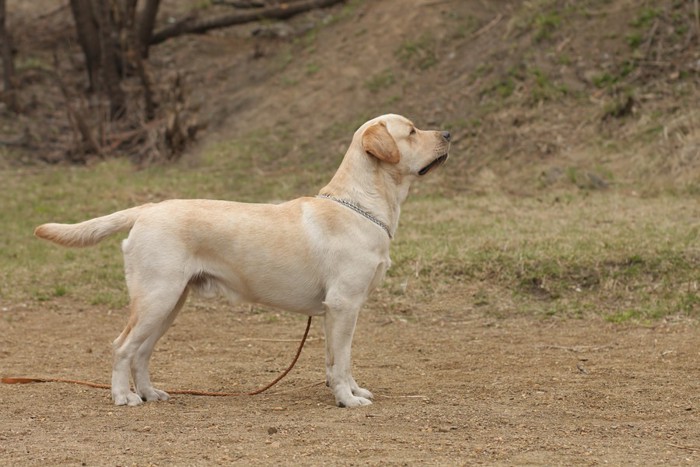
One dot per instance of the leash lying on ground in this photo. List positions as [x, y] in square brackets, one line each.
[192, 392]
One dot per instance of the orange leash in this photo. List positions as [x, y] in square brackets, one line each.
[23, 380]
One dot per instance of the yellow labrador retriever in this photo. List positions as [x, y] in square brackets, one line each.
[318, 255]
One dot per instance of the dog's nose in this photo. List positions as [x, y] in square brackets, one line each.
[446, 135]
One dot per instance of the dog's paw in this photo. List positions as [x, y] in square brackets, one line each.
[130, 398]
[353, 401]
[362, 392]
[153, 394]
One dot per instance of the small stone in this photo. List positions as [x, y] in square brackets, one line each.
[272, 430]
[446, 429]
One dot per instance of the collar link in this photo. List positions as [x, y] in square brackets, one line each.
[359, 210]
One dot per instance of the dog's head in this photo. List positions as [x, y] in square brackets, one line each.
[395, 140]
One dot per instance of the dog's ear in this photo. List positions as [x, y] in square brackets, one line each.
[377, 141]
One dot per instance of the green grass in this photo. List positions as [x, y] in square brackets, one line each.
[380, 81]
[605, 254]
[543, 18]
[504, 86]
[312, 68]
[645, 18]
[545, 24]
[634, 39]
[539, 85]
[597, 254]
[418, 53]
[543, 88]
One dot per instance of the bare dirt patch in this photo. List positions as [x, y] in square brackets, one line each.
[536, 94]
[452, 386]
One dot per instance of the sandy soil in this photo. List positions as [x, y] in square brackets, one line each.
[451, 386]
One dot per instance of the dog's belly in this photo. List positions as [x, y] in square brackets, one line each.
[279, 290]
[292, 295]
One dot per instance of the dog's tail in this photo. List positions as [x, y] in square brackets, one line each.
[90, 232]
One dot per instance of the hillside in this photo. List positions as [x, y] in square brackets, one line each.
[591, 93]
[543, 303]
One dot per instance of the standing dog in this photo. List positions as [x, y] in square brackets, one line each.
[318, 255]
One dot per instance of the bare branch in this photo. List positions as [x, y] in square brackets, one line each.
[242, 4]
[77, 119]
[198, 26]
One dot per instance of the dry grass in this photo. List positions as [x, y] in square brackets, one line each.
[606, 254]
[573, 254]
[518, 222]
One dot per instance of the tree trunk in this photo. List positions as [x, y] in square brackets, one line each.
[88, 38]
[135, 58]
[8, 64]
[109, 56]
[146, 23]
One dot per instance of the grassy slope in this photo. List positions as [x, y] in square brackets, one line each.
[467, 235]
[574, 255]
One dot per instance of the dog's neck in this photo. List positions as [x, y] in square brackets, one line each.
[360, 180]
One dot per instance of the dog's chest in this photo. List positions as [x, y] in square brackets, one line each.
[379, 273]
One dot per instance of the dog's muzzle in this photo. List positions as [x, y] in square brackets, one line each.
[435, 163]
[446, 137]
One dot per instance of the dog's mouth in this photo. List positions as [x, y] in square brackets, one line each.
[435, 163]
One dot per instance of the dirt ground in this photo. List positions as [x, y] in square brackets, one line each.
[452, 386]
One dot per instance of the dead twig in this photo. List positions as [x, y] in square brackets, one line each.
[563, 44]
[77, 120]
[50, 13]
[650, 40]
[20, 144]
[687, 448]
[581, 368]
[489, 26]
[576, 349]
[116, 140]
[411, 396]
[255, 339]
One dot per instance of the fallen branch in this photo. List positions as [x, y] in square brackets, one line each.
[117, 139]
[192, 25]
[50, 13]
[20, 144]
[242, 4]
[687, 448]
[489, 26]
[577, 348]
[254, 339]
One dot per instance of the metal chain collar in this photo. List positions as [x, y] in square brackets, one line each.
[359, 210]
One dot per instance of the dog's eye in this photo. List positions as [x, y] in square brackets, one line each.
[413, 132]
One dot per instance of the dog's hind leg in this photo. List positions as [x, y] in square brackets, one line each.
[152, 313]
[139, 365]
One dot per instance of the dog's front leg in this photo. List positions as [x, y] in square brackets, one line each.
[339, 325]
